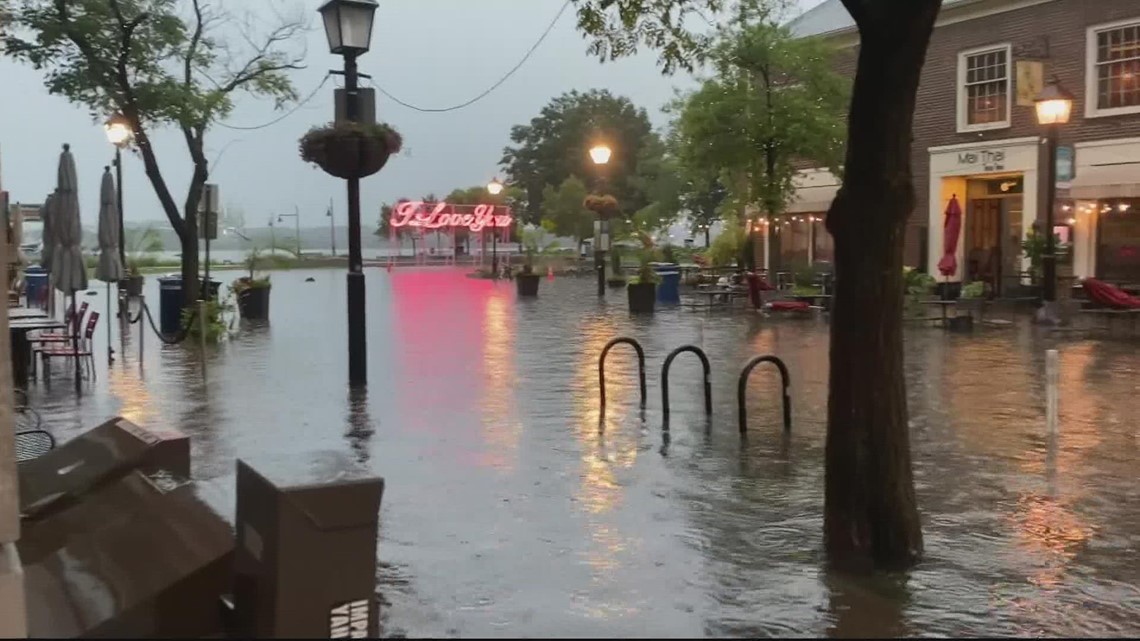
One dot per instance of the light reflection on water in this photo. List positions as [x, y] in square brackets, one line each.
[513, 507]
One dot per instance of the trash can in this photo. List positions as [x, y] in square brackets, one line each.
[171, 300]
[35, 285]
[669, 289]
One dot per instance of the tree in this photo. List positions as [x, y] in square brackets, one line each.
[555, 146]
[702, 196]
[158, 63]
[773, 102]
[564, 213]
[870, 512]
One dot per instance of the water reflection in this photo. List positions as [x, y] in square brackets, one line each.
[516, 508]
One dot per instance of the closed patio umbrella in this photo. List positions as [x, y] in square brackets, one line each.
[47, 246]
[68, 272]
[951, 228]
[110, 267]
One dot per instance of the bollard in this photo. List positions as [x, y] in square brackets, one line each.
[202, 334]
[1052, 378]
[305, 565]
[142, 328]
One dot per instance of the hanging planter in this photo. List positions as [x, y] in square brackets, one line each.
[604, 206]
[350, 149]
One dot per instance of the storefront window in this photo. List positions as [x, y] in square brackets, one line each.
[1118, 241]
[824, 245]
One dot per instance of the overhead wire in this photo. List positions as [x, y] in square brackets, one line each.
[285, 115]
[492, 88]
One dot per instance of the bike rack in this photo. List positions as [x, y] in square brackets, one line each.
[743, 384]
[665, 377]
[640, 366]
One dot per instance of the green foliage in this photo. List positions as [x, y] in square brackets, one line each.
[217, 324]
[976, 289]
[917, 286]
[253, 262]
[564, 210]
[772, 103]
[139, 245]
[727, 247]
[555, 146]
[158, 63]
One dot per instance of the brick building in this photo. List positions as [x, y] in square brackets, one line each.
[976, 137]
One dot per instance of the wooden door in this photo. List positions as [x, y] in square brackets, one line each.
[983, 243]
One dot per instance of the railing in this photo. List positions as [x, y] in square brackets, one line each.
[742, 386]
[665, 378]
[640, 366]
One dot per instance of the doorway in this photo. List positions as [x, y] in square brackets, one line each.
[983, 246]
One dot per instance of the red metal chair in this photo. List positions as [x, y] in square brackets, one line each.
[65, 350]
[40, 340]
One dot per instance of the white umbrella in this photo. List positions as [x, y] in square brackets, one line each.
[68, 272]
[110, 267]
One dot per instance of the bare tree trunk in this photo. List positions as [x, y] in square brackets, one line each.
[871, 516]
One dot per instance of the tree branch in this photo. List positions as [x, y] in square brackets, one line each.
[191, 51]
[858, 10]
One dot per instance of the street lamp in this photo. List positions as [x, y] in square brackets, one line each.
[494, 188]
[600, 154]
[1054, 106]
[119, 134]
[332, 228]
[296, 216]
[348, 26]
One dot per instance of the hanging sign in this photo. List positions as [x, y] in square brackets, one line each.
[444, 215]
[1065, 166]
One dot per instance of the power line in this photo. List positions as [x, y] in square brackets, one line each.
[493, 87]
[283, 116]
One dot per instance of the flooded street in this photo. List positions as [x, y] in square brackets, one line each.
[514, 508]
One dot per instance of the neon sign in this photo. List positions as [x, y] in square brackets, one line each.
[440, 215]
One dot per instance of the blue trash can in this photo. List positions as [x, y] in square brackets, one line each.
[669, 289]
[170, 300]
[36, 284]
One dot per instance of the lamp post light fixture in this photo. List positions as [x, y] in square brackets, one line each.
[494, 188]
[600, 154]
[348, 27]
[119, 134]
[296, 216]
[1054, 106]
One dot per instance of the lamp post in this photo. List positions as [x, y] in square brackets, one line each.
[494, 188]
[348, 26]
[601, 154]
[332, 228]
[119, 133]
[296, 216]
[1053, 105]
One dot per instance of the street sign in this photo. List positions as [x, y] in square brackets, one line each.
[208, 212]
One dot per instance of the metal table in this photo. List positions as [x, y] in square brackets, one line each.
[18, 330]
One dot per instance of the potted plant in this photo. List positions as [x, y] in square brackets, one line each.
[350, 149]
[642, 288]
[527, 281]
[139, 246]
[252, 293]
[616, 280]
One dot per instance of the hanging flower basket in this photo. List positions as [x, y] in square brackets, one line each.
[350, 150]
[604, 206]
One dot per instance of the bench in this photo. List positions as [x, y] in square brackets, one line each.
[1108, 315]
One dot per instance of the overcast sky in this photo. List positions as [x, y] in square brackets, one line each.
[432, 53]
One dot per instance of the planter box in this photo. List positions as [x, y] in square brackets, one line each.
[133, 285]
[527, 284]
[253, 303]
[642, 297]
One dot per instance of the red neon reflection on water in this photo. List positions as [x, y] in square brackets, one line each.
[439, 215]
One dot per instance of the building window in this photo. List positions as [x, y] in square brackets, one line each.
[1118, 241]
[1113, 75]
[984, 88]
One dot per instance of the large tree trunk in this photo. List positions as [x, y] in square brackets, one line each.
[871, 517]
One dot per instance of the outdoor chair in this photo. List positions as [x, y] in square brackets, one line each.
[40, 340]
[31, 441]
[65, 350]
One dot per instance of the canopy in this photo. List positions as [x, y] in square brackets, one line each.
[67, 269]
[948, 266]
[110, 267]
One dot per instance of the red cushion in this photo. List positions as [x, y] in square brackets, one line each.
[790, 306]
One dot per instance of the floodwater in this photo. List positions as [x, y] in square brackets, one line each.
[512, 511]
